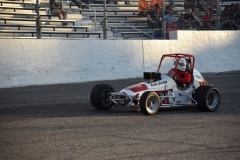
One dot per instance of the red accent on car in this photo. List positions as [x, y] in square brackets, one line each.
[137, 87]
[202, 81]
[165, 101]
[128, 100]
[137, 95]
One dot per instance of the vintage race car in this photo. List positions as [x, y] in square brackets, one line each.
[160, 90]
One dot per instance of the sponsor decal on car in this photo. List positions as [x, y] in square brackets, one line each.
[202, 81]
[137, 87]
[157, 83]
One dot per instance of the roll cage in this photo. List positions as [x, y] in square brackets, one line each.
[190, 59]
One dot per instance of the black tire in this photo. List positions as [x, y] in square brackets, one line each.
[149, 103]
[99, 96]
[208, 98]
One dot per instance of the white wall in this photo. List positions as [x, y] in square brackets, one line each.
[51, 61]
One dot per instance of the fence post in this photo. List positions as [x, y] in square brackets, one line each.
[172, 3]
[105, 21]
[95, 19]
[163, 21]
[217, 14]
[38, 22]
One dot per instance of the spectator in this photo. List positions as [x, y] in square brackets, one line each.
[172, 27]
[56, 9]
[188, 16]
[232, 10]
[237, 14]
[190, 4]
[196, 25]
[201, 5]
[216, 5]
[188, 26]
[206, 17]
[226, 21]
[208, 4]
[159, 2]
[167, 10]
[180, 22]
[189, 19]
[153, 17]
[208, 20]
[213, 4]
[169, 17]
[143, 7]
[195, 15]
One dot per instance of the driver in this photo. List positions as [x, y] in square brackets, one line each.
[180, 74]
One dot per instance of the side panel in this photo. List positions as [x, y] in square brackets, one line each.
[199, 79]
[165, 83]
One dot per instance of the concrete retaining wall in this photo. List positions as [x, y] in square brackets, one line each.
[50, 61]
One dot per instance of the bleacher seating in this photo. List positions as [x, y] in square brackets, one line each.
[141, 34]
[115, 12]
[18, 18]
[53, 27]
[6, 19]
[108, 5]
[50, 33]
[18, 8]
[20, 3]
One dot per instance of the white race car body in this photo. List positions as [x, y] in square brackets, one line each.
[161, 90]
[171, 94]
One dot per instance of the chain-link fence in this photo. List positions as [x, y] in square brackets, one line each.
[113, 19]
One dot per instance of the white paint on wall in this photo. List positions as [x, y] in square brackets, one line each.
[51, 61]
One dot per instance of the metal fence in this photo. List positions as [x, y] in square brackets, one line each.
[109, 19]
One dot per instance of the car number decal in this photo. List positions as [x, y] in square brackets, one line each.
[202, 81]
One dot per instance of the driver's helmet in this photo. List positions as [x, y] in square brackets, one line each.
[181, 64]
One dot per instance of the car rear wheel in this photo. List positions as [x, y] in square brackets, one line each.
[100, 96]
[149, 103]
[208, 98]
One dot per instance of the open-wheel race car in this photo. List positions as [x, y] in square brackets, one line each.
[183, 85]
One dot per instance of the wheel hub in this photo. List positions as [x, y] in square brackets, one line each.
[152, 104]
[212, 99]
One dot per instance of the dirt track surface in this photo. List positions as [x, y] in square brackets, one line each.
[58, 122]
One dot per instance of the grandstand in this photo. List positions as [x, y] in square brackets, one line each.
[18, 20]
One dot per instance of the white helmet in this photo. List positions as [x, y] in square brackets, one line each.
[181, 64]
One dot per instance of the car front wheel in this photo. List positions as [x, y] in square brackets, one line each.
[149, 103]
